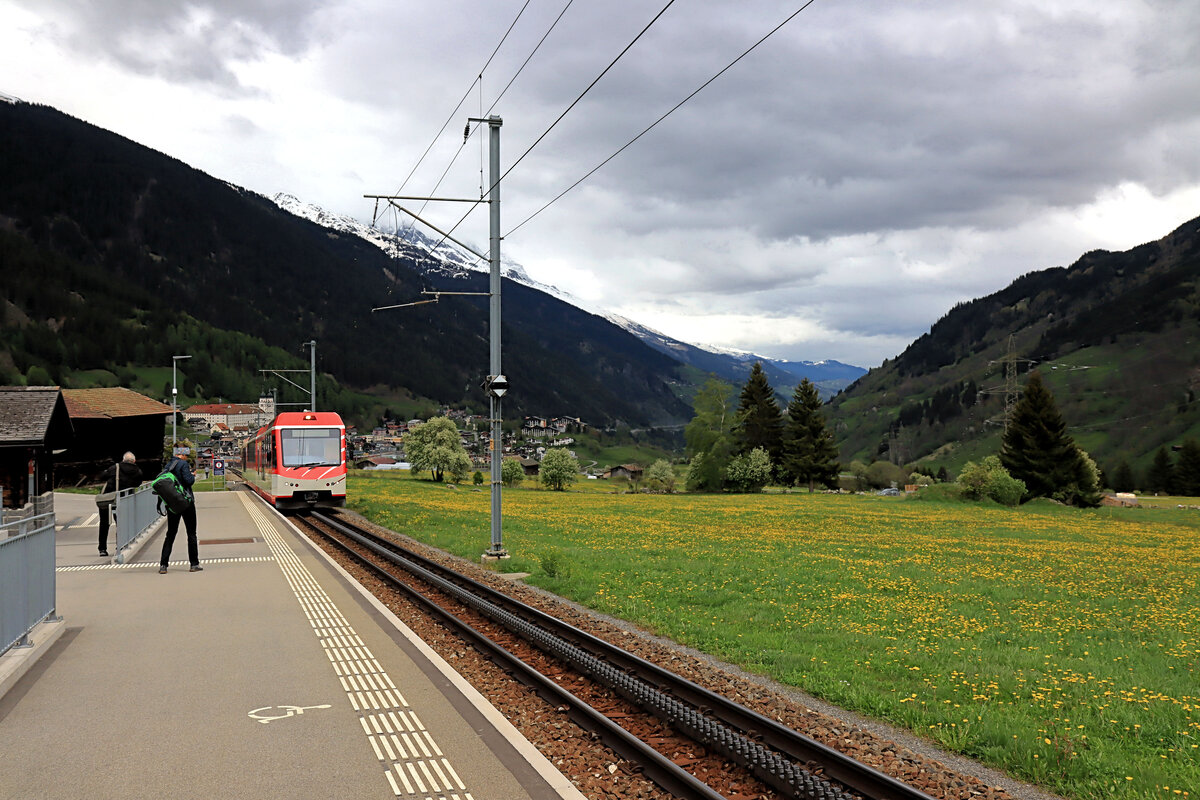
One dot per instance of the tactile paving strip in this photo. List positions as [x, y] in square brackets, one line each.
[413, 763]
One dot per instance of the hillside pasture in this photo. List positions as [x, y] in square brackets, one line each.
[1061, 645]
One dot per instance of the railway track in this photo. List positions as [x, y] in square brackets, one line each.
[648, 715]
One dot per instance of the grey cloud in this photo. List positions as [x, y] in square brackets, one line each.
[913, 142]
[187, 42]
[855, 134]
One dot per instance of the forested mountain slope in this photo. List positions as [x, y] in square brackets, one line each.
[105, 245]
[1115, 335]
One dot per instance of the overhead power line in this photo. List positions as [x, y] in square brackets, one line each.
[563, 114]
[1173, 409]
[466, 94]
[652, 125]
[494, 102]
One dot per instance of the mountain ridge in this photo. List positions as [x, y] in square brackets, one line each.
[444, 260]
[115, 247]
[1115, 336]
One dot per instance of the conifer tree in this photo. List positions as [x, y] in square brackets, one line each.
[809, 454]
[1122, 478]
[1037, 449]
[1161, 476]
[759, 421]
[1187, 469]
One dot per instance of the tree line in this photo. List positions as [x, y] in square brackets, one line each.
[743, 449]
[1038, 458]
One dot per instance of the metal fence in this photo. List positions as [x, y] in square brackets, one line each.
[136, 510]
[27, 588]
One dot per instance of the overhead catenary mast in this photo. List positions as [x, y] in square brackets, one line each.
[496, 384]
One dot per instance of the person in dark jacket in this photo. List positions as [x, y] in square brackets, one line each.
[180, 468]
[117, 478]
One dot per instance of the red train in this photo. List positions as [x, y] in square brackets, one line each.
[298, 461]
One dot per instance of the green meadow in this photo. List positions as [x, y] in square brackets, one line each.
[1058, 644]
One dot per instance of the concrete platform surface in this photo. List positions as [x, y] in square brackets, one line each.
[268, 674]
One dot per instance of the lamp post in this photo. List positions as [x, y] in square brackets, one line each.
[174, 364]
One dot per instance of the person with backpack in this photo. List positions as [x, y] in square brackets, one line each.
[118, 477]
[182, 471]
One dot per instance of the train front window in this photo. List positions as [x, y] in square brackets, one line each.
[311, 447]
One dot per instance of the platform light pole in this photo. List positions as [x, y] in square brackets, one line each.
[174, 413]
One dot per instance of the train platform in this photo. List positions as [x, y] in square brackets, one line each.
[271, 673]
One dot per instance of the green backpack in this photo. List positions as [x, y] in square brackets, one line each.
[171, 492]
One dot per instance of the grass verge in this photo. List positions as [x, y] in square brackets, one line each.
[1061, 645]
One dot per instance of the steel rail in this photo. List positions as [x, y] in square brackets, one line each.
[836, 765]
[654, 765]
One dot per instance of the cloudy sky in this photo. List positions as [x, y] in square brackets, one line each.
[831, 195]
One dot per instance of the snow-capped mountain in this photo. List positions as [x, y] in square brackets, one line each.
[444, 259]
[431, 256]
[735, 365]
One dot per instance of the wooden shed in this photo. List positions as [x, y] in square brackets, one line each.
[109, 422]
[33, 425]
[631, 471]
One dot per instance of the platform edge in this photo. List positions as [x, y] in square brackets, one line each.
[19, 660]
[548, 772]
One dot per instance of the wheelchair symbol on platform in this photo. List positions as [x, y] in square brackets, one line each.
[288, 711]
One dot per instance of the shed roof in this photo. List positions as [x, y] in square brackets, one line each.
[224, 408]
[34, 415]
[111, 404]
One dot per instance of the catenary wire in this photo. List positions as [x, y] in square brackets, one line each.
[562, 115]
[494, 103]
[648, 128]
[466, 94]
[525, 63]
[660, 119]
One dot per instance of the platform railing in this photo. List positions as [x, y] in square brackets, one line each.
[27, 583]
[136, 511]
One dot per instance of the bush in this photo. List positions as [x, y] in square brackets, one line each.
[749, 472]
[941, 492]
[559, 469]
[511, 472]
[1005, 489]
[991, 480]
[858, 471]
[554, 563]
[660, 476]
[885, 475]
